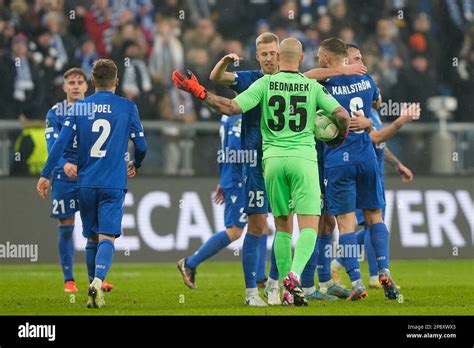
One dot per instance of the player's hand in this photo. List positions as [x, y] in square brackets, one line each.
[189, 83]
[405, 173]
[359, 122]
[131, 170]
[219, 195]
[408, 113]
[70, 170]
[354, 69]
[231, 58]
[42, 187]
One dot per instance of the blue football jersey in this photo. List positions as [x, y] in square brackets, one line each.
[54, 124]
[230, 168]
[354, 93]
[251, 133]
[380, 148]
[104, 122]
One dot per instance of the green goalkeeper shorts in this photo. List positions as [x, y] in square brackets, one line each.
[292, 185]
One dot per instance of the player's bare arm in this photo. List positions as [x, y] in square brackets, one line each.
[342, 117]
[220, 75]
[407, 114]
[222, 105]
[404, 171]
[320, 74]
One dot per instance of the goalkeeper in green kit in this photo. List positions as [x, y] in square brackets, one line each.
[288, 101]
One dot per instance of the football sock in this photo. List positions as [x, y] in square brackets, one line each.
[273, 266]
[304, 248]
[324, 260]
[91, 252]
[282, 248]
[66, 250]
[262, 257]
[309, 291]
[337, 263]
[250, 254]
[348, 243]
[369, 250]
[307, 277]
[103, 259]
[379, 237]
[211, 247]
[374, 279]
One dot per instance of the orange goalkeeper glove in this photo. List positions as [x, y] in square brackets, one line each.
[189, 84]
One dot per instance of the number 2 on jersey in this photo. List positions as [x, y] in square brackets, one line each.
[96, 126]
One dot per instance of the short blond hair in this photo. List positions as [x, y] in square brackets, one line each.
[266, 38]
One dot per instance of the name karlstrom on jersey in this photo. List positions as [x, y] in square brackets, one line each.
[354, 88]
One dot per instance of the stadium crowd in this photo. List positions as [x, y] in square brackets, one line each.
[414, 49]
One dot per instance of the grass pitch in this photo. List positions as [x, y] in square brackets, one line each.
[428, 288]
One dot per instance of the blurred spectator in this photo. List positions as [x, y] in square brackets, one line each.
[310, 45]
[390, 52]
[464, 80]
[324, 25]
[21, 90]
[60, 41]
[135, 80]
[167, 54]
[128, 32]
[177, 106]
[98, 25]
[417, 84]
[86, 55]
[422, 40]
[347, 35]
[340, 18]
[203, 36]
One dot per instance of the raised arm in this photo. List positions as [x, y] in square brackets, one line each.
[219, 74]
[321, 74]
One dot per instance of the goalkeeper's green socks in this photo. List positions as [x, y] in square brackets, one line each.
[303, 250]
[282, 248]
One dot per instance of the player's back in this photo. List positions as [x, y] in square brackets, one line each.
[288, 115]
[103, 140]
[354, 93]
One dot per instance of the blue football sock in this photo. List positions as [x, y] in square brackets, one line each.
[273, 265]
[379, 236]
[262, 257]
[369, 250]
[66, 250]
[324, 260]
[348, 243]
[360, 236]
[307, 276]
[91, 252]
[212, 246]
[250, 255]
[103, 259]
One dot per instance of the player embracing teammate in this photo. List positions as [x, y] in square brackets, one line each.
[288, 101]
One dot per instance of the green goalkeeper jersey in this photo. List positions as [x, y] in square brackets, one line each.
[288, 101]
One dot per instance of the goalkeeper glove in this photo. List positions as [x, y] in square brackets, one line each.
[189, 84]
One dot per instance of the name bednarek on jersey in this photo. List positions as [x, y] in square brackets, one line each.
[350, 89]
[37, 331]
[81, 109]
